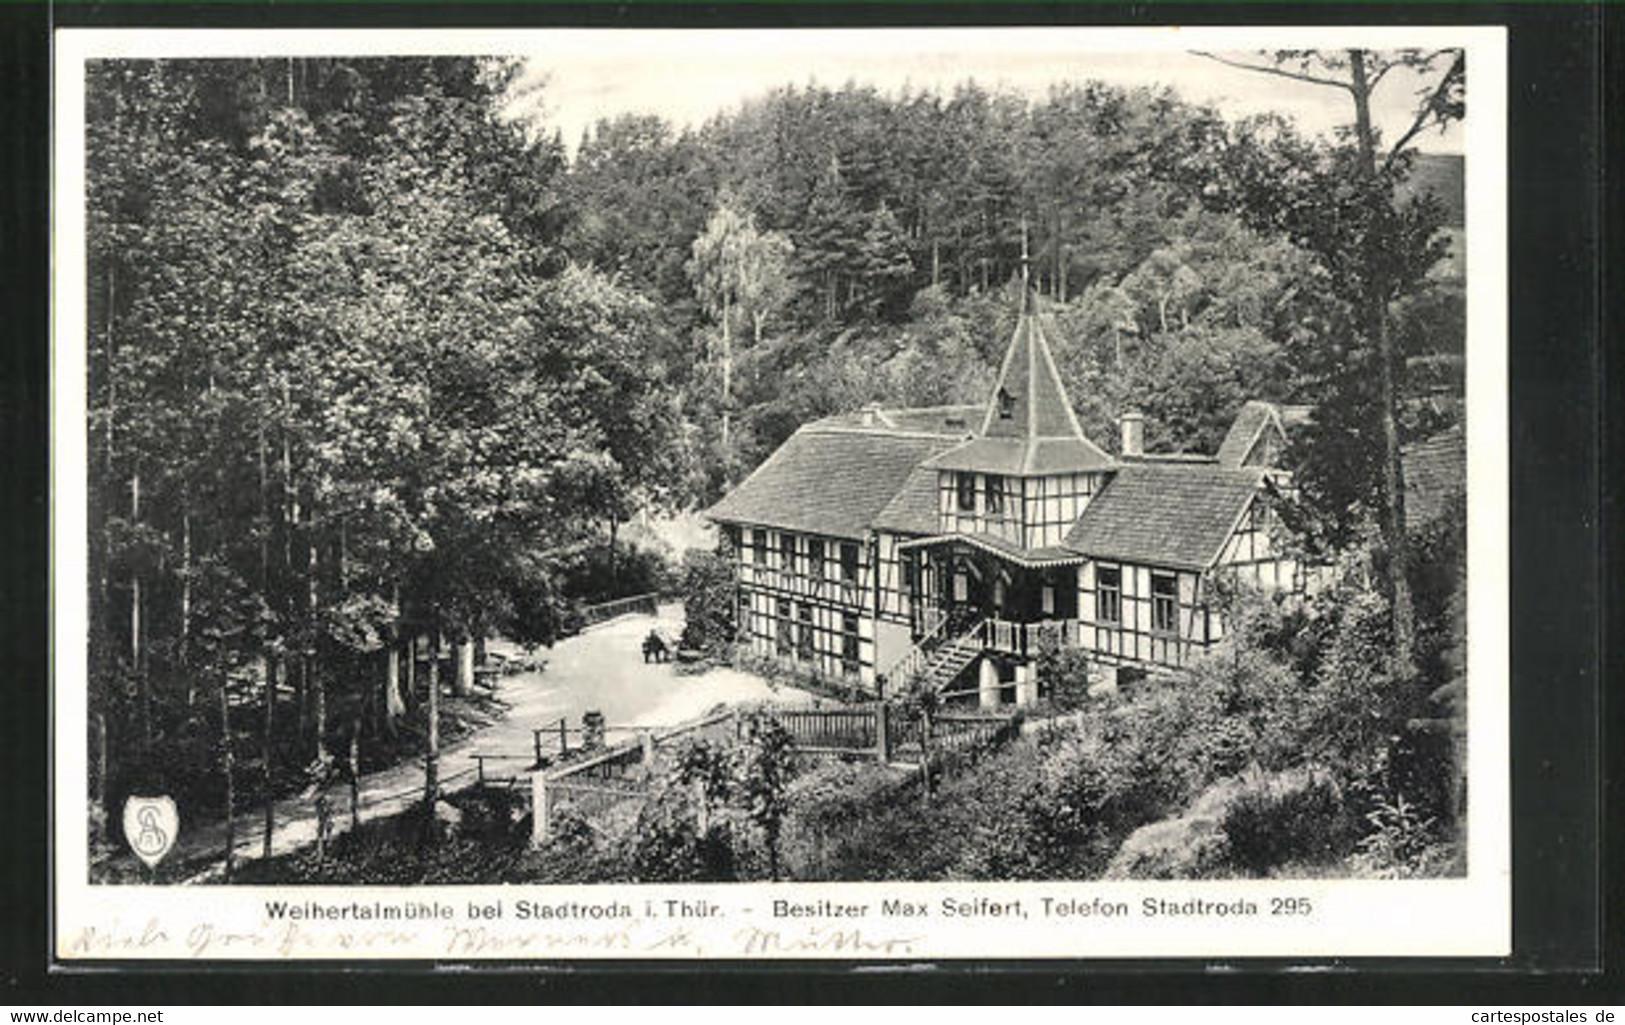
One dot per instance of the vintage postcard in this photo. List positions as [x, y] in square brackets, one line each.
[866, 495]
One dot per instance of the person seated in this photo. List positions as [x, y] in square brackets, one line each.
[654, 647]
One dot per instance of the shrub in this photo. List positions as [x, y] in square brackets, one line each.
[708, 602]
[1189, 846]
[1276, 820]
[1401, 844]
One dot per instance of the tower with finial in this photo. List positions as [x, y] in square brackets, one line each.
[1028, 450]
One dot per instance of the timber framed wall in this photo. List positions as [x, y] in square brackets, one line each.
[1032, 512]
[808, 599]
[1254, 553]
[1162, 618]
[1051, 505]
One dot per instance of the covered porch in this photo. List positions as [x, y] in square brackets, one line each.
[994, 605]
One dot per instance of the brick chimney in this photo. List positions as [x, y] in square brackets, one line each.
[1133, 434]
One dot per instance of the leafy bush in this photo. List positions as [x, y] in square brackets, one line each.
[1191, 845]
[708, 602]
[1402, 843]
[1064, 673]
[1276, 820]
[717, 812]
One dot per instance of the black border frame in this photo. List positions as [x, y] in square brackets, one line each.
[1567, 576]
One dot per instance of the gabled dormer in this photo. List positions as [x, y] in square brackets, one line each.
[1028, 470]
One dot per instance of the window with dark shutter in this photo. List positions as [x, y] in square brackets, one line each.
[783, 637]
[1164, 603]
[995, 496]
[849, 563]
[966, 485]
[1109, 594]
[849, 644]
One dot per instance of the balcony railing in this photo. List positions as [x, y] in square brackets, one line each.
[1028, 639]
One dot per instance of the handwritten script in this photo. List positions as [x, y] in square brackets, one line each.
[154, 937]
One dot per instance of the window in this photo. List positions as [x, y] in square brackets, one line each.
[1109, 594]
[1007, 404]
[744, 625]
[1047, 599]
[758, 547]
[815, 558]
[1164, 603]
[787, 552]
[804, 639]
[995, 496]
[966, 485]
[849, 644]
[849, 562]
[783, 641]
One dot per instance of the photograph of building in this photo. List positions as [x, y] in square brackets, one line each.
[946, 543]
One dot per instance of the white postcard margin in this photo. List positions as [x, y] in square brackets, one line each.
[1211, 920]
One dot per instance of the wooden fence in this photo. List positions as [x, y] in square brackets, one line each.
[833, 730]
[645, 604]
[624, 772]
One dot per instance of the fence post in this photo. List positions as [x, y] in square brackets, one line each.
[536, 738]
[882, 734]
[538, 809]
[564, 737]
[646, 740]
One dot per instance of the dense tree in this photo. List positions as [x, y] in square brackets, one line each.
[342, 381]
[1378, 249]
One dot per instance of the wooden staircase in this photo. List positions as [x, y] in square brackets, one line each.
[935, 661]
[948, 661]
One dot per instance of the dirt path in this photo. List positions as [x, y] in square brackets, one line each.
[600, 669]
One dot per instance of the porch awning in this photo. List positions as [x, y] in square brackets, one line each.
[1031, 558]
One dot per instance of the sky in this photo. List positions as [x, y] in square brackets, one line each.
[687, 76]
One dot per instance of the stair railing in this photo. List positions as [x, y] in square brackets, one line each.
[900, 672]
[976, 636]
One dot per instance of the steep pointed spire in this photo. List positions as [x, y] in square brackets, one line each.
[1028, 428]
[1029, 400]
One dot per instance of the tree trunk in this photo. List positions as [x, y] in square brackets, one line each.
[301, 697]
[137, 650]
[1376, 315]
[462, 680]
[727, 390]
[431, 759]
[355, 773]
[394, 707]
[411, 654]
[186, 590]
[318, 674]
[101, 766]
[936, 263]
[273, 673]
[226, 769]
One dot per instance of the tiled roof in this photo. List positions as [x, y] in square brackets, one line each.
[1041, 433]
[913, 510]
[1023, 457]
[1050, 555]
[1435, 472]
[1164, 514]
[946, 420]
[1243, 433]
[828, 480]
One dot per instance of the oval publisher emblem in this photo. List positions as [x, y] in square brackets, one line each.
[150, 826]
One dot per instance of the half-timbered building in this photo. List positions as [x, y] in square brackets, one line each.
[943, 547]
